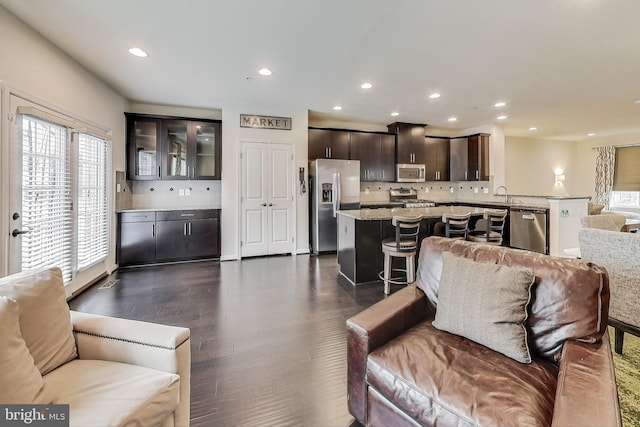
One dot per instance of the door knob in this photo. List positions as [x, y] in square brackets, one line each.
[264, 204]
[270, 204]
[16, 232]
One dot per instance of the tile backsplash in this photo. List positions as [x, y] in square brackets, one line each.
[175, 194]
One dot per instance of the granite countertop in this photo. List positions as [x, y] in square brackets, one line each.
[178, 208]
[512, 204]
[388, 213]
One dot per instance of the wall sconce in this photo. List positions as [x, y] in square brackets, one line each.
[560, 177]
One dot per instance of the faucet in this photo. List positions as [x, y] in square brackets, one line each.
[506, 193]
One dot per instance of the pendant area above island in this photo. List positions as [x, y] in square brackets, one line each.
[360, 235]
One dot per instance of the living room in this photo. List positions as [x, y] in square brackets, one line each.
[41, 69]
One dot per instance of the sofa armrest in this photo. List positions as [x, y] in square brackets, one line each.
[371, 329]
[587, 394]
[162, 347]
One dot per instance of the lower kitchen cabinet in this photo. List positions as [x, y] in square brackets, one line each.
[180, 235]
[137, 241]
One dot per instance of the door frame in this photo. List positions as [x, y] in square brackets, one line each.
[240, 180]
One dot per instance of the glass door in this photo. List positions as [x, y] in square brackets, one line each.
[175, 139]
[207, 135]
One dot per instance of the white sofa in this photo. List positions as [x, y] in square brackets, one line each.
[111, 372]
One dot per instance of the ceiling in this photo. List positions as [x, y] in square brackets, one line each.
[567, 67]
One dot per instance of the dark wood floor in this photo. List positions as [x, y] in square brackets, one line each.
[268, 338]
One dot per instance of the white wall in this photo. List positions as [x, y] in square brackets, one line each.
[232, 136]
[530, 164]
[34, 66]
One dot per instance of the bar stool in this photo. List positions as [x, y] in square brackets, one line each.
[456, 226]
[403, 245]
[490, 232]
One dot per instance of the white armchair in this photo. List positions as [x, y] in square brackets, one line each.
[111, 372]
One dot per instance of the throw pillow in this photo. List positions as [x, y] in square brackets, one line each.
[20, 380]
[45, 321]
[486, 303]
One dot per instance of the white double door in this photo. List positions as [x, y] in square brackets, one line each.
[267, 201]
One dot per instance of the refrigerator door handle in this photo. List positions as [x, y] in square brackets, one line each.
[336, 193]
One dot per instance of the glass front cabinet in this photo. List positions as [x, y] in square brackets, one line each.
[180, 148]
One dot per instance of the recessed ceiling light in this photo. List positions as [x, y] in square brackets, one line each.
[533, 128]
[501, 117]
[136, 51]
[637, 101]
[264, 71]
[366, 85]
[395, 113]
[500, 104]
[434, 96]
[452, 119]
[591, 134]
[337, 108]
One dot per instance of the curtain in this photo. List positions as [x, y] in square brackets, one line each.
[605, 166]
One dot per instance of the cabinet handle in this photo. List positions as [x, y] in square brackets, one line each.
[184, 229]
[159, 171]
[189, 229]
[326, 152]
[153, 230]
[189, 214]
[477, 174]
[330, 153]
[383, 174]
[466, 175]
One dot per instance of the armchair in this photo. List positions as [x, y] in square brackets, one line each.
[619, 254]
[111, 372]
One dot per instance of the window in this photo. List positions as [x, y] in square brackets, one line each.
[626, 178]
[64, 196]
[46, 196]
[92, 200]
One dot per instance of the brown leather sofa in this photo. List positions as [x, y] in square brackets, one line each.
[402, 371]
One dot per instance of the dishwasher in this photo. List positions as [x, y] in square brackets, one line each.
[528, 229]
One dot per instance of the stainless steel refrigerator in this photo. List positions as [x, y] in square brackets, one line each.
[335, 185]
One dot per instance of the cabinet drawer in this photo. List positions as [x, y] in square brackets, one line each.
[187, 214]
[137, 216]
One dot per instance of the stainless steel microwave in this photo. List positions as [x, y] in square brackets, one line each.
[410, 172]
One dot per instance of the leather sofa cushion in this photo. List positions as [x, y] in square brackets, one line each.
[20, 380]
[101, 393]
[45, 322]
[438, 378]
[569, 299]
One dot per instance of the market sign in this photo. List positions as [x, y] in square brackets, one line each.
[265, 122]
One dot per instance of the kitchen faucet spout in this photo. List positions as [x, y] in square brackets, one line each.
[506, 193]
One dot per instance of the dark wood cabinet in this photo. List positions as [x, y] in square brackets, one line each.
[143, 147]
[152, 237]
[437, 159]
[459, 159]
[137, 237]
[190, 149]
[162, 147]
[411, 146]
[376, 153]
[478, 166]
[328, 144]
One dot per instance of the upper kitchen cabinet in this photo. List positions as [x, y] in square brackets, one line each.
[411, 146]
[436, 159]
[143, 145]
[469, 159]
[171, 148]
[191, 149]
[328, 144]
[376, 152]
[479, 157]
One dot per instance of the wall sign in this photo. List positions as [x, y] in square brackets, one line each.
[265, 122]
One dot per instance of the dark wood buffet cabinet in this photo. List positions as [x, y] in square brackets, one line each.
[148, 237]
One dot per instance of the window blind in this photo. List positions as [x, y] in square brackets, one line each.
[626, 176]
[92, 199]
[46, 196]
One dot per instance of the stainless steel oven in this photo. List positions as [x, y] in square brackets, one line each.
[410, 173]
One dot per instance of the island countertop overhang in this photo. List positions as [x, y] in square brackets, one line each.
[388, 213]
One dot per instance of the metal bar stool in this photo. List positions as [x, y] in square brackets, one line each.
[492, 227]
[403, 245]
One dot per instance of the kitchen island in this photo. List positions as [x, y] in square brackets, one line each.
[360, 235]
